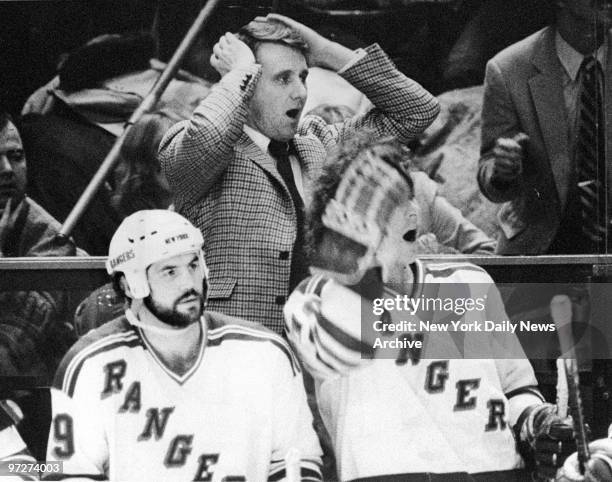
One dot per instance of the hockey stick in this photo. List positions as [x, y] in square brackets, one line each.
[561, 313]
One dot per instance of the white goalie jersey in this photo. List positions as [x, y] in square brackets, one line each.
[120, 414]
[418, 414]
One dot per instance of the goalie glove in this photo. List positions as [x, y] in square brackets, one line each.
[549, 437]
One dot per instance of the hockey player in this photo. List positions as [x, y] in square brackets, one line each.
[169, 391]
[422, 416]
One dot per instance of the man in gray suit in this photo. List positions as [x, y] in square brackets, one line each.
[532, 122]
[236, 176]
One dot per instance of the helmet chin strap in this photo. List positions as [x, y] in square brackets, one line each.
[133, 319]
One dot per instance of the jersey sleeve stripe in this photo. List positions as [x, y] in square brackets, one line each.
[342, 337]
[317, 285]
[528, 389]
[332, 354]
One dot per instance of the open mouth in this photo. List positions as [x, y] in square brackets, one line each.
[293, 113]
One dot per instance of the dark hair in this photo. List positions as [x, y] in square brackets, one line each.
[362, 143]
[5, 118]
[116, 284]
[105, 57]
[140, 183]
[331, 113]
[258, 31]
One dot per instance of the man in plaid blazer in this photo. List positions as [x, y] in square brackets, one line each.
[227, 183]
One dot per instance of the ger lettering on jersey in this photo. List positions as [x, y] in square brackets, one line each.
[414, 414]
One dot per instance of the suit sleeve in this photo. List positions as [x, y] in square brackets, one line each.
[403, 108]
[499, 119]
[195, 153]
[77, 436]
[444, 220]
[294, 435]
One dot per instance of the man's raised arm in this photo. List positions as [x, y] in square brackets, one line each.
[196, 152]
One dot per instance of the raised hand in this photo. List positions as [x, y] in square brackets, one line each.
[322, 52]
[509, 154]
[230, 53]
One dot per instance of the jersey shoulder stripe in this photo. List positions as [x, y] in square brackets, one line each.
[312, 285]
[112, 335]
[342, 337]
[257, 333]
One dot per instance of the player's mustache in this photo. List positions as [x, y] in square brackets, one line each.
[189, 294]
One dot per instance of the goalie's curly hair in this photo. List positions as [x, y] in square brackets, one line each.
[363, 143]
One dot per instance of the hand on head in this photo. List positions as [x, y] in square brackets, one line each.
[321, 51]
[230, 53]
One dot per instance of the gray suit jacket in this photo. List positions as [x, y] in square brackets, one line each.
[233, 192]
[524, 93]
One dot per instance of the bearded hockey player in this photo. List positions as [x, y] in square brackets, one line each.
[172, 392]
[417, 417]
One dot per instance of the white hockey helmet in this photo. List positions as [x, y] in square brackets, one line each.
[149, 236]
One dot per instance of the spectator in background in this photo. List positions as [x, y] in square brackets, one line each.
[32, 335]
[540, 147]
[443, 228]
[237, 177]
[70, 124]
[26, 229]
[492, 26]
[140, 184]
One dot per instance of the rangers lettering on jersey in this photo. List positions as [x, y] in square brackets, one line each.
[120, 413]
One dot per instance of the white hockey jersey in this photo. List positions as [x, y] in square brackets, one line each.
[120, 413]
[419, 414]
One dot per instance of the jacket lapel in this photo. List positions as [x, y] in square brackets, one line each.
[249, 149]
[311, 153]
[547, 93]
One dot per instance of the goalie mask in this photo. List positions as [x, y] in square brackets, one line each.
[374, 207]
[147, 237]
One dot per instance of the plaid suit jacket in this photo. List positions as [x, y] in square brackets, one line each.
[233, 192]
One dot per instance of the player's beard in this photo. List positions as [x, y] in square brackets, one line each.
[172, 316]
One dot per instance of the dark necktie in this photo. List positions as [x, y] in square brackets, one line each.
[590, 157]
[281, 152]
